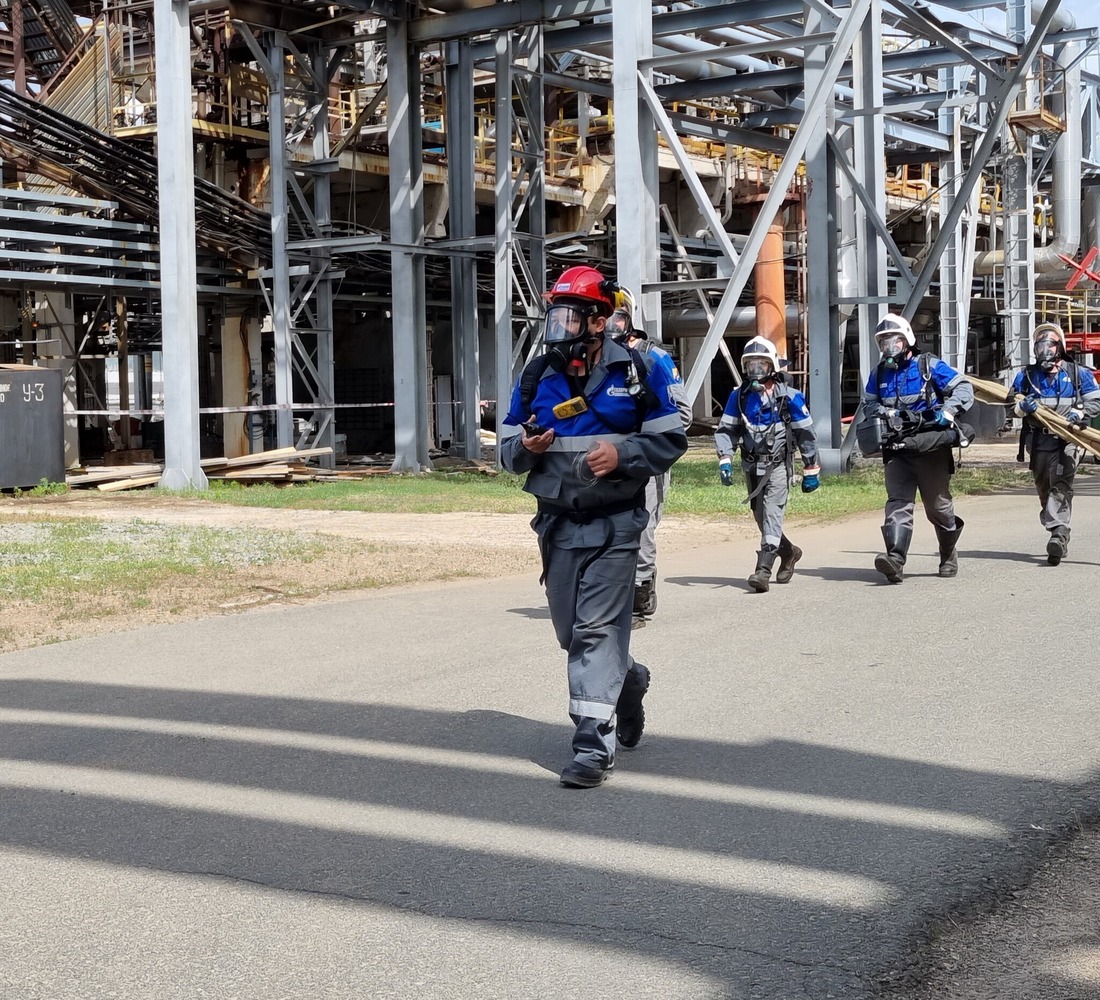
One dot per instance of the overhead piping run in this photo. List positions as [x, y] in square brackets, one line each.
[1066, 167]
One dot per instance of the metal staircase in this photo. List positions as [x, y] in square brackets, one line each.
[50, 32]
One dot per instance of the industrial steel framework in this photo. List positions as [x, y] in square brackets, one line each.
[913, 163]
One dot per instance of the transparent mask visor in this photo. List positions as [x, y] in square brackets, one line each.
[619, 326]
[1046, 349]
[891, 345]
[757, 368]
[565, 323]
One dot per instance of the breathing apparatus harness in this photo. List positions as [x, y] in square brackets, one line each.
[782, 404]
[637, 387]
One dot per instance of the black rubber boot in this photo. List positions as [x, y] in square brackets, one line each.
[789, 554]
[949, 558]
[645, 598]
[629, 713]
[892, 564]
[1058, 546]
[761, 577]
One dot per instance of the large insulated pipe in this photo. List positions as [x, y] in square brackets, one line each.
[770, 292]
[1065, 191]
[695, 322]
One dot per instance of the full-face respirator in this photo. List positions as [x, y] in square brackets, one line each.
[758, 372]
[567, 338]
[893, 348]
[1048, 352]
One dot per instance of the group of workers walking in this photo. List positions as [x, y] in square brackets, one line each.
[597, 421]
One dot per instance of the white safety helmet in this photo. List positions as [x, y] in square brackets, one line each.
[1048, 343]
[894, 337]
[759, 359]
[895, 325]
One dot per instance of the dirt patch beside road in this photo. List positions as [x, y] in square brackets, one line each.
[355, 550]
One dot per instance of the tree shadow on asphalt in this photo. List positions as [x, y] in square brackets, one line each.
[777, 869]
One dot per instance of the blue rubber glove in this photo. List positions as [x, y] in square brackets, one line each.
[943, 419]
[810, 482]
[1029, 404]
[1077, 419]
[725, 472]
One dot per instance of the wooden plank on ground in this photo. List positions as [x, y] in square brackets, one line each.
[133, 483]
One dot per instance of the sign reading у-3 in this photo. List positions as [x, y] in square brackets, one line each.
[32, 434]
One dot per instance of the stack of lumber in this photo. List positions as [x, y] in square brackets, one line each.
[282, 465]
[993, 392]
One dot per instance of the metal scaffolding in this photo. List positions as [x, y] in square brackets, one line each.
[391, 185]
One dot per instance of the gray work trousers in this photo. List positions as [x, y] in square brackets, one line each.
[655, 492]
[930, 474]
[770, 503]
[1053, 470]
[590, 591]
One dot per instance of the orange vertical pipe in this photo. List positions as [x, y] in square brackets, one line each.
[771, 301]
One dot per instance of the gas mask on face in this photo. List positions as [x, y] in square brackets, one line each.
[569, 356]
[893, 350]
[620, 326]
[1048, 352]
[567, 339]
[758, 372]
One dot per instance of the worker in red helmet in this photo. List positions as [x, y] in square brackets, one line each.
[591, 422]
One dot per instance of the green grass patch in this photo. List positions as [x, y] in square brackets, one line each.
[425, 493]
[695, 491]
[65, 562]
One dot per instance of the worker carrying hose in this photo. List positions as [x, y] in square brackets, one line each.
[916, 398]
[1070, 390]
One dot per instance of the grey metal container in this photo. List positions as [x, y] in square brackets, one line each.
[32, 429]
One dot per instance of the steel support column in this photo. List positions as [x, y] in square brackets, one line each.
[1018, 197]
[179, 277]
[868, 149]
[280, 256]
[460, 181]
[636, 179]
[410, 347]
[822, 289]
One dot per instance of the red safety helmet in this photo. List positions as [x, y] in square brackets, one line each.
[584, 284]
[580, 294]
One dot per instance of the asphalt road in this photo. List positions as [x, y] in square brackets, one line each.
[359, 799]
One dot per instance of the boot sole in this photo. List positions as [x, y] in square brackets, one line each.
[760, 586]
[570, 780]
[1054, 553]
[888, 569]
